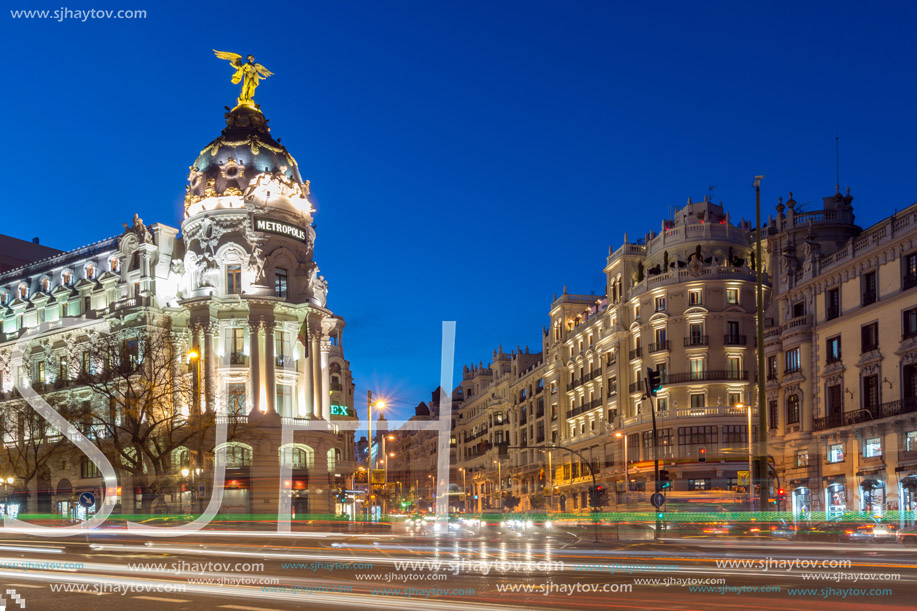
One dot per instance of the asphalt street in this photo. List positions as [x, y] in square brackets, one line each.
[477, 569]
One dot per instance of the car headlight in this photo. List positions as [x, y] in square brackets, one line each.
[529, 524]
[548, 525]
[503, 524]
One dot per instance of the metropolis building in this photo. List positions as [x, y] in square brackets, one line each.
[239, 288]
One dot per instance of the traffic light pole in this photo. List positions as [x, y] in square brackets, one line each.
[761, 457]
[650, 393]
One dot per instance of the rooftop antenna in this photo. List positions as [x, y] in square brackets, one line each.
[710, 191]
[837, 163]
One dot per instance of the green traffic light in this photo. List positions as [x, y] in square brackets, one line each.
[659, 515]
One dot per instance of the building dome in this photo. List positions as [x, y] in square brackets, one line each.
[245, 150]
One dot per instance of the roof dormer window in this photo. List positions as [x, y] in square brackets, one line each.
[23, 291]
[45, 285]
[90, 271]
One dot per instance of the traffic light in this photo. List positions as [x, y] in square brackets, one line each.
[701, 454]
[653, 381]
[601, 496]
[781, 498]
[665, 482]
[659, 515]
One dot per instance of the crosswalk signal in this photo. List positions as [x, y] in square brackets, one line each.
[653, 381]
[659, 515]
[702, 455]
[665, 482]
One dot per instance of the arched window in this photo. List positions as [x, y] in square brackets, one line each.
[66, 278]
[45, 285]
[237, 455]
[23, 291]
[181, 457]
[792, 409]
[297, 455]
[333, 457]
[4, 297]
[114, 264]
[90, 271]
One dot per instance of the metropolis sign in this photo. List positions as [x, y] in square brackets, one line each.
[280, 228]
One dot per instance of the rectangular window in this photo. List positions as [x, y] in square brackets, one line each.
[662, 404]
[695, 297]
[836, 453]
[238, 341]
[732, 296]
[697, 400]
[696, 335]
[554, 412]
[910, 442]
[832, 303]
[909, 324]
[89, 470]
[233, 279]
[660, 304]
[799, 309]
[869, 336]
[697, 368]
[236, 397]
[872, 447]
[802, 458]
[792, 360]
[734, 398]
[792, 409]
[280, 282]
[772, 412]
[772, 368]
[870, 391]
[40, 372]
[869, 288]
[64, 373]
[833, 350]
[909, 276]
[284, 400]
[734, 367]
[834, 406]
[735, 434]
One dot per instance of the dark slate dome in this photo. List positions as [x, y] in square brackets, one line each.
[244, 149]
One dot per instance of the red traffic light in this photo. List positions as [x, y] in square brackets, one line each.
[781, 492]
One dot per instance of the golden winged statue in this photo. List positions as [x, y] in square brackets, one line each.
[249, 73]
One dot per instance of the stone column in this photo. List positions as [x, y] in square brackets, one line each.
[270, 363]
[254, 364]
[305, 383]
[326, 380]
[208, 371]
[317, 387]
[265, 392]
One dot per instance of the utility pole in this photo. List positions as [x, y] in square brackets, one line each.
[760, 474]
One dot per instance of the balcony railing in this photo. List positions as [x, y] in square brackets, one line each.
[875, 412]
[585, 407]
[238, 358]
[659, 346]
[735, 340]
[710, 375]
[635, 386]
[696, 340]
[636, 353]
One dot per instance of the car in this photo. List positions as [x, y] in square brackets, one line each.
[872, 530]
[780, 529]
[907, 536]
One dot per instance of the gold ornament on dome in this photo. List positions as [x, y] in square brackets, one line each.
[210, 189]
[232, 169]
[248, 73]
[232, 191]
[190, 198]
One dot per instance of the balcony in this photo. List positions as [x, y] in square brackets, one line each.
[636, 353]
[659, 347]
[735, 340]
[635, 387]
[585, 407]
[711, 375]
[238, 358]
[285, 361]
[696, 340]
[867, 414]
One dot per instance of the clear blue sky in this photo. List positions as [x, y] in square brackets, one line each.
[467, 159]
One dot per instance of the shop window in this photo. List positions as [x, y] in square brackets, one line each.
[699, 484]
[836, 453]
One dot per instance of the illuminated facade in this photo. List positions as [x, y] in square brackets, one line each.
[682, 302]
[238, 288]
[841, 359]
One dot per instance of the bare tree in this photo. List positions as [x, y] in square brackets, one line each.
[146, 408]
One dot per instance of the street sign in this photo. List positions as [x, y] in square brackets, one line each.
[658, 500]
[87, 499]
[742, 478]
[202, 489]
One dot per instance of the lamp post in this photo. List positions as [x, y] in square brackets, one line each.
[464, 490]
[761, 458]
[194, 356]
[379, 405]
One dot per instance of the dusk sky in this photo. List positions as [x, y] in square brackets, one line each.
[467, 159]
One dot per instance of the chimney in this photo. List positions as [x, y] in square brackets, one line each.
[35, 241]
